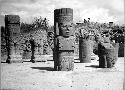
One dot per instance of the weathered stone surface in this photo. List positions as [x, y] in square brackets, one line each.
[65, 43]
[13, 29]
[65, 61]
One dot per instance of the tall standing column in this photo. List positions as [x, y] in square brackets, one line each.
[63, 54]
[12, 27]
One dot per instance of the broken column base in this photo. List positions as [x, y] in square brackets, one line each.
[107, 55]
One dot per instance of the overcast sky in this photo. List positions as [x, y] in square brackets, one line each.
[102, 11]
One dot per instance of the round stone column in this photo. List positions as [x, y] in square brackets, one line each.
[85, 50]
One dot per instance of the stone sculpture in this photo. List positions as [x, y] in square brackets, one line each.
[64, 43]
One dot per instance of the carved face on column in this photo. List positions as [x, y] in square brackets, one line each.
[65, 29]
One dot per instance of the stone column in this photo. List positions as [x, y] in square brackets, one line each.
[12, 26]
[85, 50]
[64, 43]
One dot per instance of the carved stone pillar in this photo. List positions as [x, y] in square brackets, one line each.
[12, 27]
[63, 54]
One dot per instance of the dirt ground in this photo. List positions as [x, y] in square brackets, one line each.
[40, 76]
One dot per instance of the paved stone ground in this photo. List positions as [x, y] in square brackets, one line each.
[40, 76]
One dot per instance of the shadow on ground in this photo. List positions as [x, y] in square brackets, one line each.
[50, 60]
[44, 68]
[3, 61]
[93, 66]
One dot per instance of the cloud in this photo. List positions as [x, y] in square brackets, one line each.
[118, 5]
[97, 15]
[75, 4]
[97, 10]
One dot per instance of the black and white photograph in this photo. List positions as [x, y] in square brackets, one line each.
[62, 45]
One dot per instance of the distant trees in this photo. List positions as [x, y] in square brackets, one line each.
[116, 32]
[37, 23]
[41, 24]
[26, 28]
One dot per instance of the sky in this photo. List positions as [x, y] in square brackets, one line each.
[102, 11]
